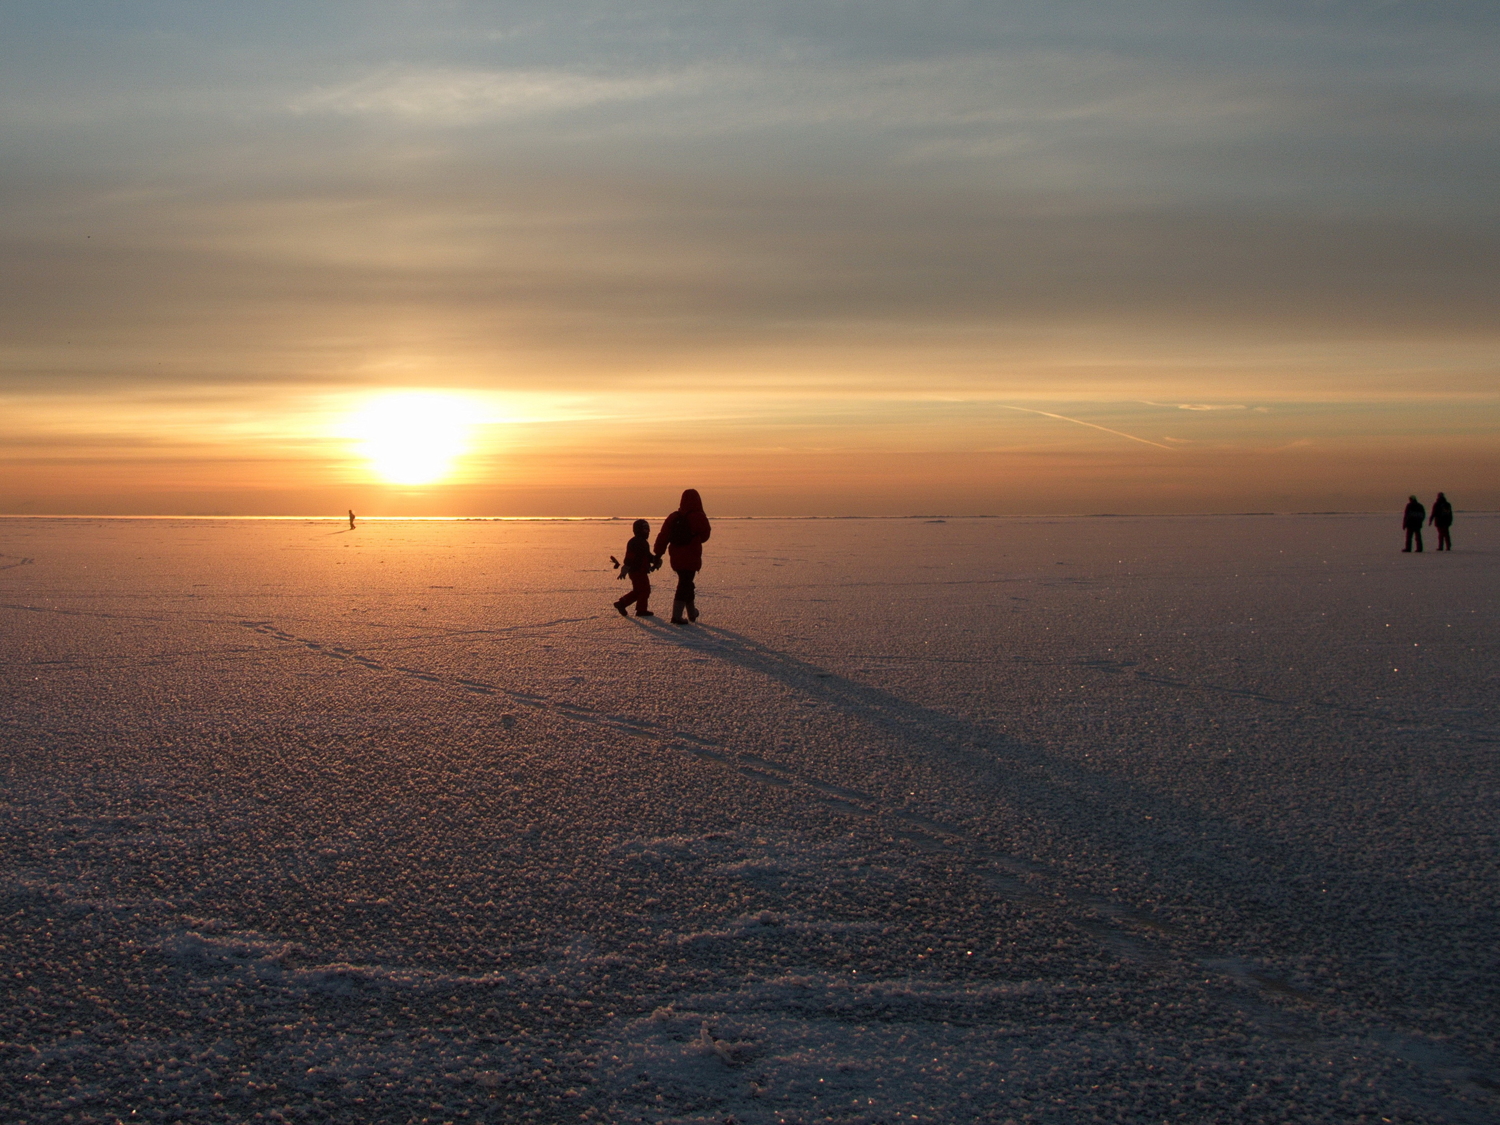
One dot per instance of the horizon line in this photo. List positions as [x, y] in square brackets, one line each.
[342, 518]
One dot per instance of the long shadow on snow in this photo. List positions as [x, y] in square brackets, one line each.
[1110, 815]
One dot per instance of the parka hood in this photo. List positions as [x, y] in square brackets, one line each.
[691, 501]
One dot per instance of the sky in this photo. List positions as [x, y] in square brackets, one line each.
[820, 257]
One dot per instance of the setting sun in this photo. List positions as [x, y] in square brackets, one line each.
[413, 437]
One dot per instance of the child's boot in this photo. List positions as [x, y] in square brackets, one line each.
[621, 607]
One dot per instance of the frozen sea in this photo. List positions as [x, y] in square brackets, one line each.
[1000, 820]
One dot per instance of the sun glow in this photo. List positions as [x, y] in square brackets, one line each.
[413, 437]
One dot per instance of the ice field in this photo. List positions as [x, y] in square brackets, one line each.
[1002, 820]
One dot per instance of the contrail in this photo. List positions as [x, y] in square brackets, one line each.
[1081, 422]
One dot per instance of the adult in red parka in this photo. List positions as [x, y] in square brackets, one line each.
[682, 535]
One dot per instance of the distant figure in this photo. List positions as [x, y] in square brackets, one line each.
[683, 534]
[1442, 519]
[639, 562]
[351, 519]
[1413, 519]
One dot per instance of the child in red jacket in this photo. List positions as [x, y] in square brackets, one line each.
[639, 562]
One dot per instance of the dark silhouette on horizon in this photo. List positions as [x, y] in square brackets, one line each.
[351, 519]
[1442, 519]
[1412, 520]
[639, 563]
[683, 534]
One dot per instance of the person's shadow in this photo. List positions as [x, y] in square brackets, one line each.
[1047, 785]
[1264, 878]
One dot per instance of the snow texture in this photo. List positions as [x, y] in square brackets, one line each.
[1006, 820]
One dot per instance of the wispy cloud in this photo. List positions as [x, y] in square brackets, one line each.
[1195, 405]
[450, 96]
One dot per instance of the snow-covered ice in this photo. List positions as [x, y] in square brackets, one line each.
[1030, 820]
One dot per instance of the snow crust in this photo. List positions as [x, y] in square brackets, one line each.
[1010, 820]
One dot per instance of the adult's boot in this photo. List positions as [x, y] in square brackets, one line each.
[677, 618]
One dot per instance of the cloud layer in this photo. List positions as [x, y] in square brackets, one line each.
[748, 212]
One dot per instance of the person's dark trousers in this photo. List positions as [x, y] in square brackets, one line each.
[1413, 532]
[686, 591]
[1445, 542]
[640, 594]
[685, 596]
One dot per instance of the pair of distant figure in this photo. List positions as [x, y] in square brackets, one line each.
[681, 539]
[1416, 515]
